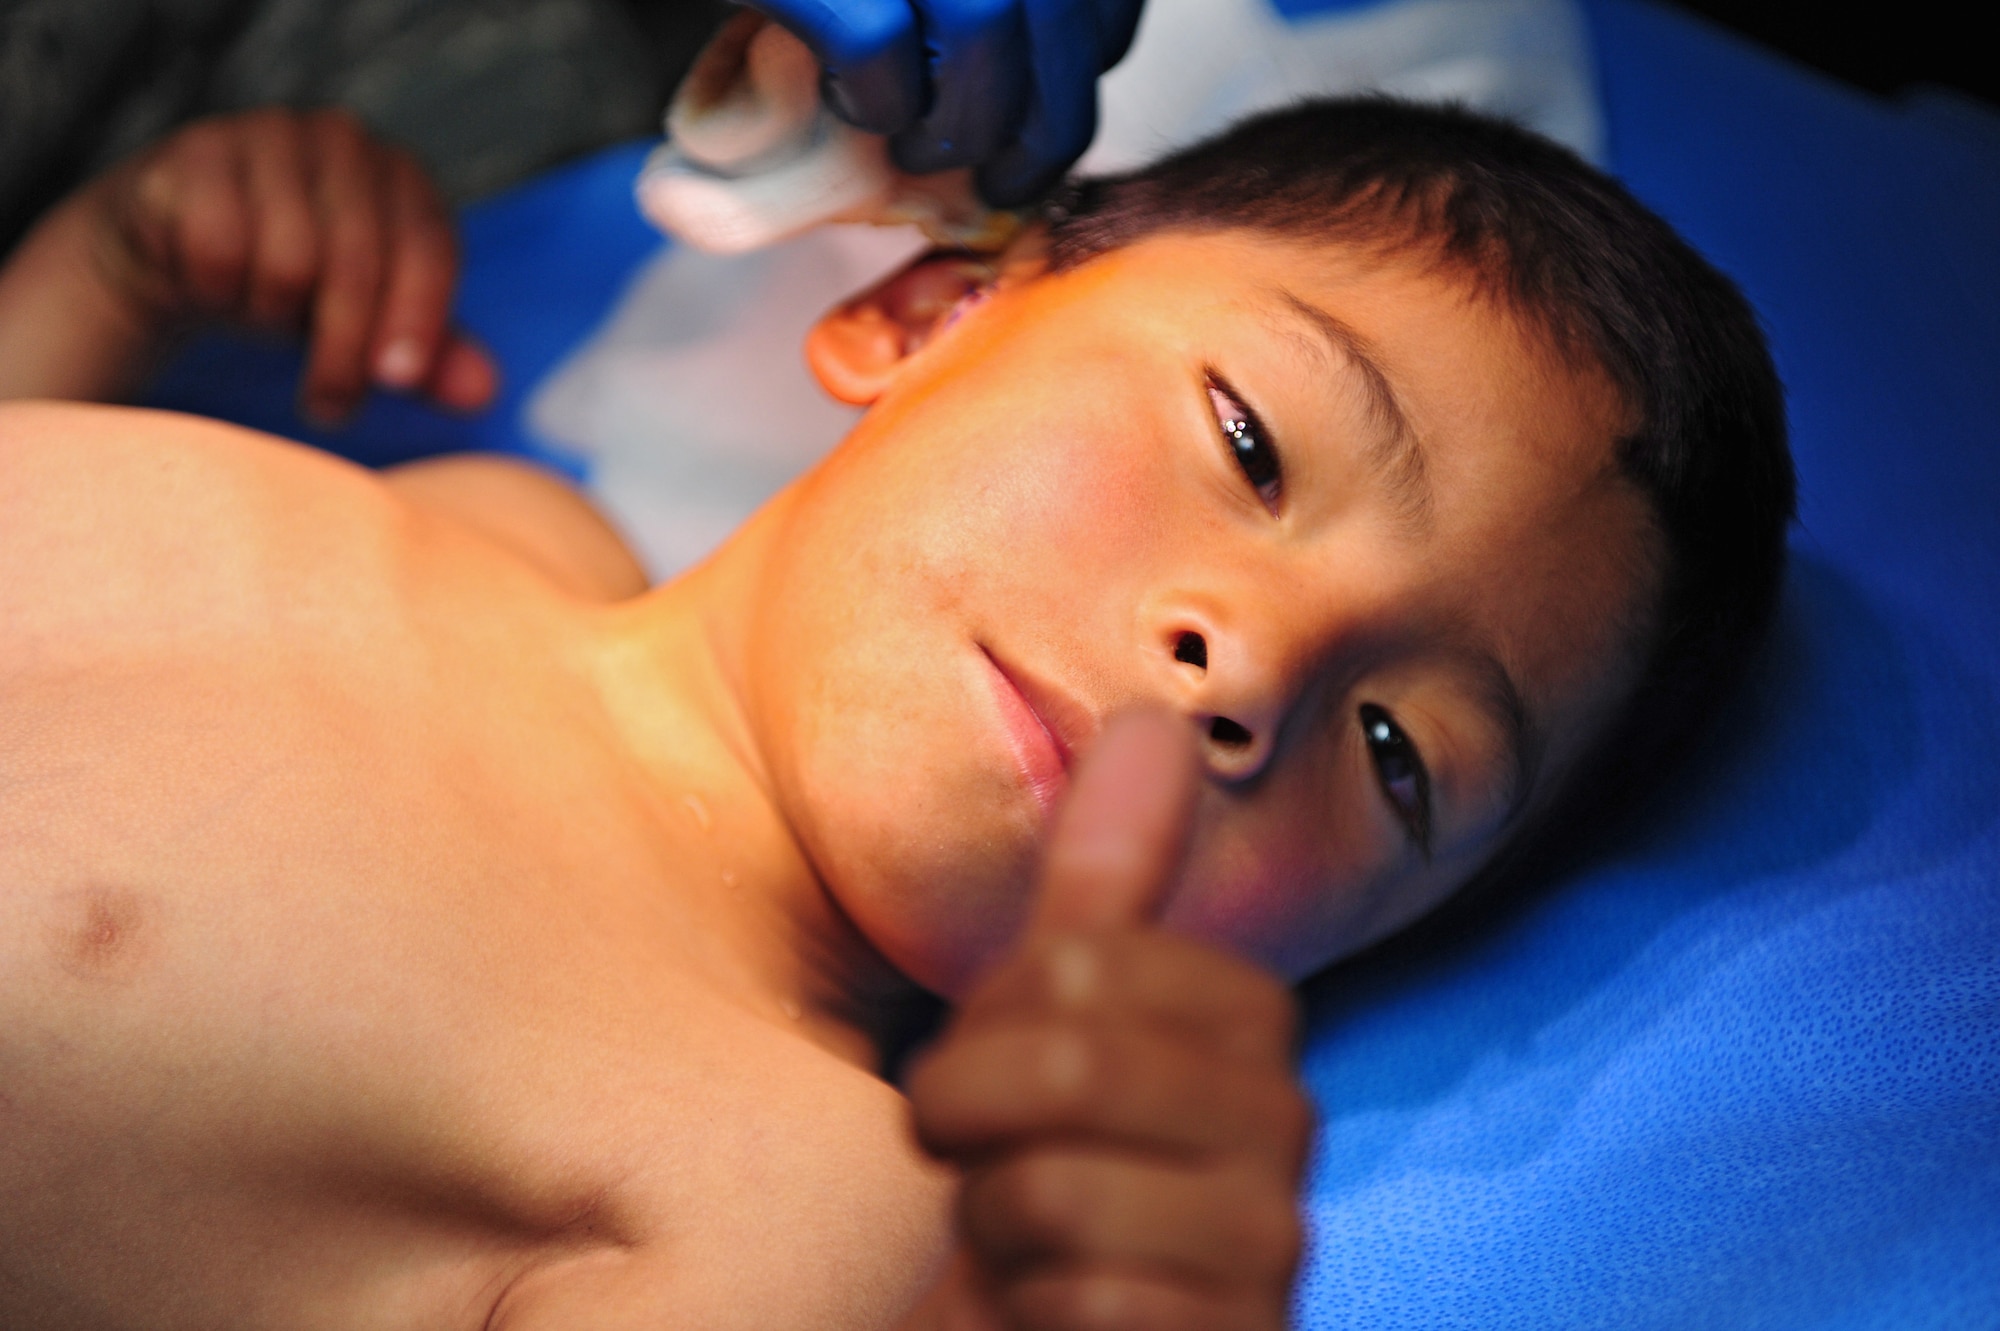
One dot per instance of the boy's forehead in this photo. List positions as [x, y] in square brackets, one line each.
[1389, 306]
[1249, 259]
[1433, 350]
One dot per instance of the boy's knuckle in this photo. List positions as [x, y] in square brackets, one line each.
[1008, 987]
[263, 120]
[1085, 1300]
[1070, 972]
[1271, 1008]
[290, 269]
[432, 247]
[1265, 1233]
[201, 139]
[283, 135]
[354, 255]
[1041, 1198]
[338, 122]
[412, 177]
[1294, 1121]
[156, 186]
[216, 249]
[1288, 1244]
[338, 138]
[1067, 1068]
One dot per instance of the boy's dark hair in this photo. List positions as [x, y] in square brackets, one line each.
[1572, 249]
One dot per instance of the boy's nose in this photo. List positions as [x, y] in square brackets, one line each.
[1235, 699]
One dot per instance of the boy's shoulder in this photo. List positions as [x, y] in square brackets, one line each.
[124, 521]
[104, 507]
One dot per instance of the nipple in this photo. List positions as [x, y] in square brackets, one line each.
[752, 158]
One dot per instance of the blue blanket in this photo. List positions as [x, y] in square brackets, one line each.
[1743, 1069]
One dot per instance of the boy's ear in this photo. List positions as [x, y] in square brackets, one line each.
[857, 349]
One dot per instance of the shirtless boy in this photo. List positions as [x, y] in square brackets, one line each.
[407, 919]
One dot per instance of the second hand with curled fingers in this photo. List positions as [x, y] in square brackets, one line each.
[283, 221]
[1119, 1100]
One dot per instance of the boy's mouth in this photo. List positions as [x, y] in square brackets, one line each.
[1045, 728]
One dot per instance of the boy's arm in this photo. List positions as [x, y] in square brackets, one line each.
[291, 223]
[63, 332]
[296, 223]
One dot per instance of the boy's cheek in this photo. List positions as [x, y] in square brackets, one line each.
[1262, 882]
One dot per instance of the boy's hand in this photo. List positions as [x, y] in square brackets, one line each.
[1120, 1100]
[296, 222]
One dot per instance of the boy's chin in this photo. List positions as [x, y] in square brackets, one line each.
[936, 870]
[943, 926]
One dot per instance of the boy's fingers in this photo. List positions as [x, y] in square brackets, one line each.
[964, 1300]
[1133, 1088]
[285, 258]
[1147, 977]
[1121, 833]
[423, 265]
[1112, 1300]
[465, 377]
[197, 182]
[348, 190]
[1214, 1226]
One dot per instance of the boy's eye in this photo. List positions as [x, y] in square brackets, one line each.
[1400, 770]
[1244, 435]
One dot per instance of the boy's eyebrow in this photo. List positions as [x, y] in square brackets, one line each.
[1397, 456]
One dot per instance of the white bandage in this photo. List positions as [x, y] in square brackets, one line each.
[752, 158]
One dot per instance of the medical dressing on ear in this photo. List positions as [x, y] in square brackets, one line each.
[753, 158]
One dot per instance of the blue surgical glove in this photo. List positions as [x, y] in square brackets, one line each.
[1008, 87]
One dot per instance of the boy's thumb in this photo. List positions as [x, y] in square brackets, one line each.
[1121, 835]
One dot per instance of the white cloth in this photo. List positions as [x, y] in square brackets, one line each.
[693, 402]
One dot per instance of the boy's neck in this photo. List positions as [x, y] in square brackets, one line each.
[771, 936]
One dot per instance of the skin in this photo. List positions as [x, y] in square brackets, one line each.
[407, 921]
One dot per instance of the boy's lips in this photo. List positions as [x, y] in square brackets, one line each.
[1046, 728]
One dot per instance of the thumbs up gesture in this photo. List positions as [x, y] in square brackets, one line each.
[1120, 1101]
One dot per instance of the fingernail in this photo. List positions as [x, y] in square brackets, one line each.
[1065, 1064]
[400, 364]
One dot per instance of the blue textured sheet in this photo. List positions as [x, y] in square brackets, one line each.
[1744, 1070]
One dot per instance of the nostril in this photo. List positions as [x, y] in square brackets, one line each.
[1227, 733]
[1191, 649]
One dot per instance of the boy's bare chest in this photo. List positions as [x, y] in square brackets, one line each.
[360, 976]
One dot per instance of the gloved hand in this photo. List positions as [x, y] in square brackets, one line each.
[1008, 87]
